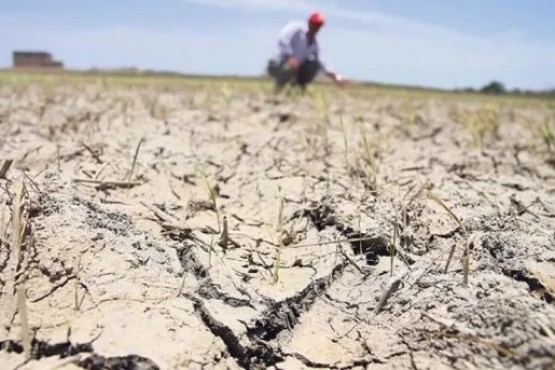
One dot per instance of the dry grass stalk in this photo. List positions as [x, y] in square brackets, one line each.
[5, 168]
[436, 199]
[393, 247]
[466, 251]
[345, 143]
[466, 260]
[93, 152]
[449, 258]
[77, 268]
[279, 227]
[421, 190]
[3, 227]
[370, 153]
[212, 194]
[392, 286]
[164, 216]
[425, 191]
[104, 184]
[19, 226]
[224, 238]
[58, 163]
[134, 164]
[548, 135]
[24, 320]
[351, 261]
[210, 249]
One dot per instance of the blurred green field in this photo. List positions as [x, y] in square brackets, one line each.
[250, 84]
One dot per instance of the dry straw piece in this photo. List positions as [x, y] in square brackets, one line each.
[425, 191]
[19, 227]
[5, 167]
[133, 165]
[279, 238]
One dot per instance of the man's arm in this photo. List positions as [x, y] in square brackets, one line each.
[334, 76]
[337, 78]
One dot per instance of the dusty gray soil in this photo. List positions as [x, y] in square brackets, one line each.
[335, 253]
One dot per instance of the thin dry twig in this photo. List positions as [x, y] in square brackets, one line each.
[24, 320]
[92, 152]
[164, 216]
[134, 164]
[5, 168]
[466, 252]
[18, 235]
[449, 258]
[352, 262]
[277, 261]
[224, 238]
[349, 240]
[392, 287]
[103, 184]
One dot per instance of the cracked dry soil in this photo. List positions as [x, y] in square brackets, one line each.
[334, 256]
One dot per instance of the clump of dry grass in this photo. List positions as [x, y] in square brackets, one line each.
[425, 190]
[227, 95]
[482, 124]
[547, 134]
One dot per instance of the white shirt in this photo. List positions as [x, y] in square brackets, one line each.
[293, 41]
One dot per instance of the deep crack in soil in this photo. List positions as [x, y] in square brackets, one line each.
[276, 318]
[284, 315]
[41, 349]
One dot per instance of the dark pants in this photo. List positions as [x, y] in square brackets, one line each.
[302, 76]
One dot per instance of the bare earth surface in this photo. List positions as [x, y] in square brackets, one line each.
[283, 233]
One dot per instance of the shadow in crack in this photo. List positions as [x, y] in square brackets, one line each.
[372, 247]
[535, 287]
[42, 349]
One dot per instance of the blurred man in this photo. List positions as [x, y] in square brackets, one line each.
[297, 61]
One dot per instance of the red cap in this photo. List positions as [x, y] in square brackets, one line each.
[316, 18]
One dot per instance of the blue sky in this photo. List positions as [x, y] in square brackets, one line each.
[439, 43]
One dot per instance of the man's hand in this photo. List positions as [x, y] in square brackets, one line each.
[292, 62]
[338, 79]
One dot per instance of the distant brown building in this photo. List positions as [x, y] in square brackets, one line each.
[33, 59]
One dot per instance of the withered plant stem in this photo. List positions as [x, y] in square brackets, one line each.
[133, 165]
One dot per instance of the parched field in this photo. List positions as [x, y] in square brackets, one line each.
[212, 225]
